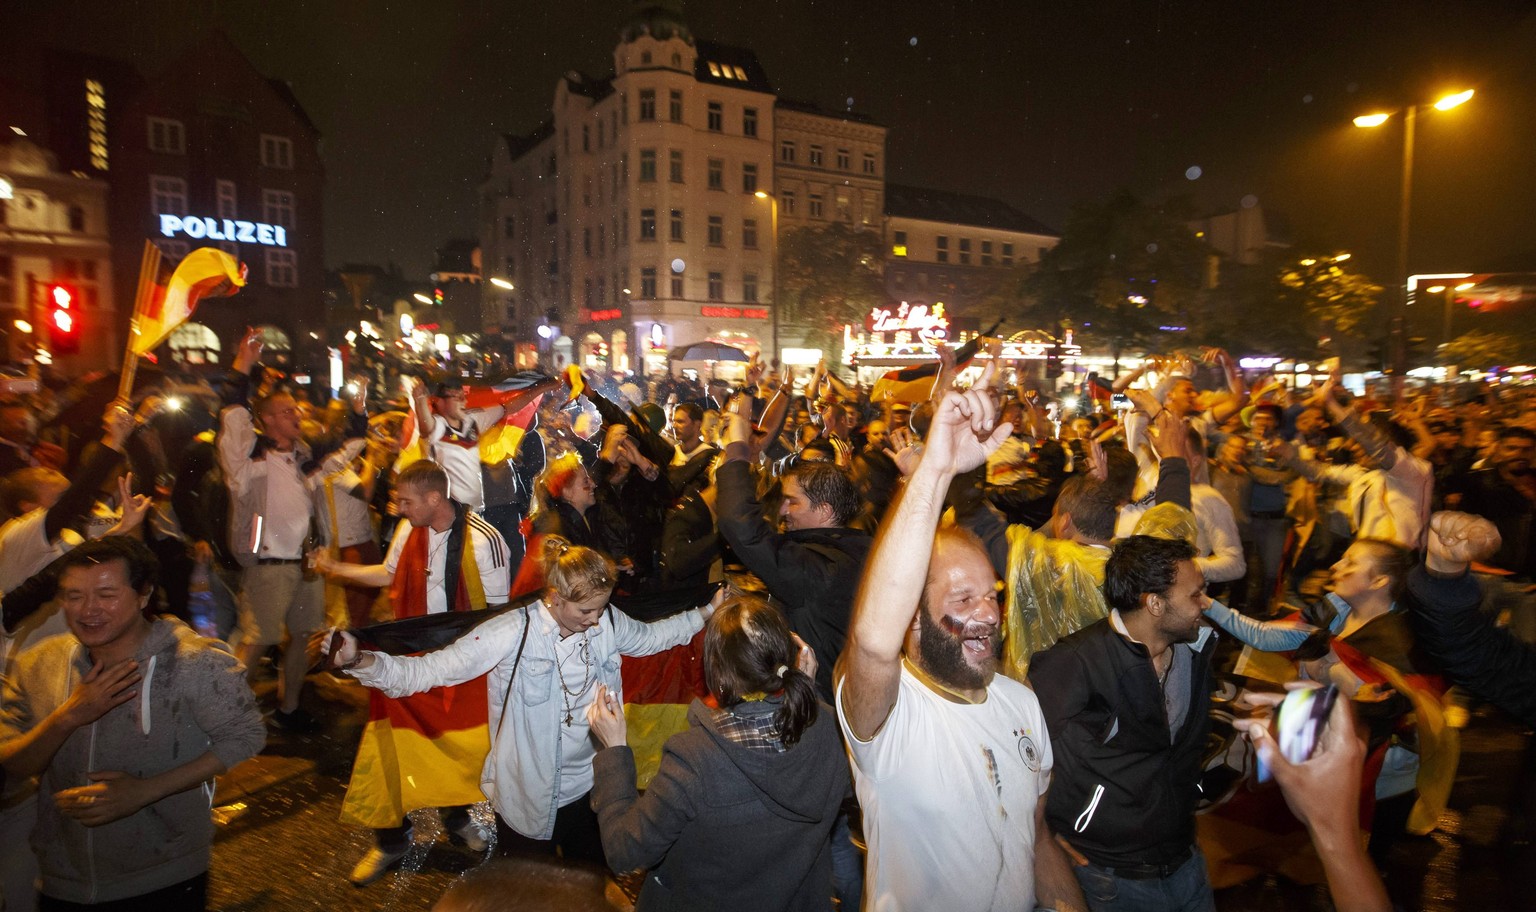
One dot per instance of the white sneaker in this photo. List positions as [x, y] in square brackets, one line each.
[475, 835]
[377, 863]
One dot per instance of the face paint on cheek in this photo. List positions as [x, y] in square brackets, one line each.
[955, 627]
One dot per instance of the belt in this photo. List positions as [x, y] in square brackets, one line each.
[266, 561]
[1150, 872]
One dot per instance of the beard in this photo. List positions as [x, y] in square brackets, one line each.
[941, 653]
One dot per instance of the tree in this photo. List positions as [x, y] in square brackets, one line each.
[829, 276]
[1480, 350]
[1129, 274]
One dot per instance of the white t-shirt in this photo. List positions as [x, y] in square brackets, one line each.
[490, 556]
[949, 792]
[458, 452]
[24, 551]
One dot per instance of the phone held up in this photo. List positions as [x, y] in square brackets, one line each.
[1298, 723]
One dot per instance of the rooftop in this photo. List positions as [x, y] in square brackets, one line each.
[959, 208]
[724, 64]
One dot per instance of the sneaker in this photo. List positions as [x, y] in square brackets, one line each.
[377, 863]
[473, 834]
[299, 722]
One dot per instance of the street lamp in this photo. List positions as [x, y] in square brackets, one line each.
[503, 284]
[1410, 114]
[773, 202]
[422, 298]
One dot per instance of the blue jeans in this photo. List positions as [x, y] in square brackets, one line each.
[847, 865]
[1187, 889]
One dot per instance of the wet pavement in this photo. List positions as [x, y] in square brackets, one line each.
[282, 847]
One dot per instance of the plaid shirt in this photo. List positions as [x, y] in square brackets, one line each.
[752, 730]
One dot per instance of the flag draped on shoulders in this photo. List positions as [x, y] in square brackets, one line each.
[427, 749]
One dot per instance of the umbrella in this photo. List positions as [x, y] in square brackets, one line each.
[707, 351]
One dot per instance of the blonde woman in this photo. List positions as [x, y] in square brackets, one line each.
[546, 664]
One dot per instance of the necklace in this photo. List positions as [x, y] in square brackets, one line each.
[432, 555]
[566, 693]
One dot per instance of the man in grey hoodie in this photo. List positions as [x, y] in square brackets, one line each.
[126, 719]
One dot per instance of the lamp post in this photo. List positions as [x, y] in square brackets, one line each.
[1398, 350]
[773, 315]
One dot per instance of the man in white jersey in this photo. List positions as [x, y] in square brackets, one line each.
[453, 434]
[951, 761]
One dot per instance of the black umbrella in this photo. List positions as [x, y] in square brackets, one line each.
[707, 351]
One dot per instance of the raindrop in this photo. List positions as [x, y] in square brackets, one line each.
[1307, 98]
[1249, 201]
[678, 265]
[1152, 248]
[1193, 172]
[850, 101]
[913, 41]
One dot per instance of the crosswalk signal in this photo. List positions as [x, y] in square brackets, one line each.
[63, 321]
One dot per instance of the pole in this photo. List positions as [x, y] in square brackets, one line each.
[774, 314]
[149, 273]
[1397, 339]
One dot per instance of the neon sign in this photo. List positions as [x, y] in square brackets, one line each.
[237, 230]
[928, 325]
[749, 313]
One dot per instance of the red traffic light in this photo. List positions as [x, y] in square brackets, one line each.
[63, 335]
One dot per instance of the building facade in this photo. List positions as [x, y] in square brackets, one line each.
[210, 152]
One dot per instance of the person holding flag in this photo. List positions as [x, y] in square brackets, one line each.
[451, 432]
[426, 749]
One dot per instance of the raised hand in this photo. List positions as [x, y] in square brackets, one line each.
[964, 431]
[1458, 539]
[248, 352]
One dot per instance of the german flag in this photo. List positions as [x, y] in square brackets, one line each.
[915, 384]
[205, 272]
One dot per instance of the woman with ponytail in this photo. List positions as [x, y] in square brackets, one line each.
[740, 813]
[548, 662]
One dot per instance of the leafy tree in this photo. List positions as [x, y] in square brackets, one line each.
[1481, 349]
[829, 275]
[1123, 271]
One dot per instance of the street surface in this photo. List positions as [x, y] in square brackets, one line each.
[283, 847]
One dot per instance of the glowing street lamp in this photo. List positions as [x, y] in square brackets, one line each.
[503, 284]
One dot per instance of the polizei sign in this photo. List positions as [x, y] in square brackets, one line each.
[237, 230]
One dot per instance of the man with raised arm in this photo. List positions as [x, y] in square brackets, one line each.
[951, 760]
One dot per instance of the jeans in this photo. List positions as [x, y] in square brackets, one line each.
[576, 836]
[1187, 889]
[847, 865]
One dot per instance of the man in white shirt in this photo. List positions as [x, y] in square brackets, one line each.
[425, 572]
[951, 761]
[453, 434]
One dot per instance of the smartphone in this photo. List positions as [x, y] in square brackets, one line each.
[1298, 723]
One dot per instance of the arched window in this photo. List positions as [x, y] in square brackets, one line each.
[194, 343]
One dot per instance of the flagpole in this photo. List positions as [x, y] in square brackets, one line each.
[149, 274]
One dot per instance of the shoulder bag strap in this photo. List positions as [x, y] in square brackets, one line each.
[507, 697]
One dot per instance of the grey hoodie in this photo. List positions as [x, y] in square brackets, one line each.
[723, 826]
[192, 699]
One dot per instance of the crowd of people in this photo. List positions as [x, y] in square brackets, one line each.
[956, 653]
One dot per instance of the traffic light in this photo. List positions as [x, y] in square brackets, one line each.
[63, 321]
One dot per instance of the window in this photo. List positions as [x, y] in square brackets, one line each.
[986, 253]
[282, 268]
[675, 167]
[1007, 253]
[613, 181]
[600, 140]
[96, 119]
[677, 285]
[815, 156]
[276, 151]
[941, 246]
[716, 117]
[647, 166]
[899, 244]
[586, 138]
[749, 178]
[749, 287]
[717, 286]
[277, 207]
[844, 205]
[815, 205]
[749, 121]
[509, 265]
[787, 201]
[614, 234]
[647, 224]
[645, 58]
[869, 163]
[586, 242]
[509, 226]
[586, 292]
[749, 233]
[648, 282]
[167, 195]
[167, 135]
[716, 174]
[676, 229]
[787, 152]
[76, 217]
[224, 198]
[965, 251]
[716, 230]
[173, 251]
[602, 238]
[647, 104]
[844, 162]
[674, 108]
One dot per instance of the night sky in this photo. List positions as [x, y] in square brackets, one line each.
[1041, 104]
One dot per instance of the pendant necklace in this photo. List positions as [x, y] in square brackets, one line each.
[432, 555]
[585, 651]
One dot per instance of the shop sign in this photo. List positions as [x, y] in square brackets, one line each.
[614, 313]
[237, 230]
[927, 324]
[734, 313]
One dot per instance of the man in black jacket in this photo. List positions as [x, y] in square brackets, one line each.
[812, 568]
[1127, 701]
